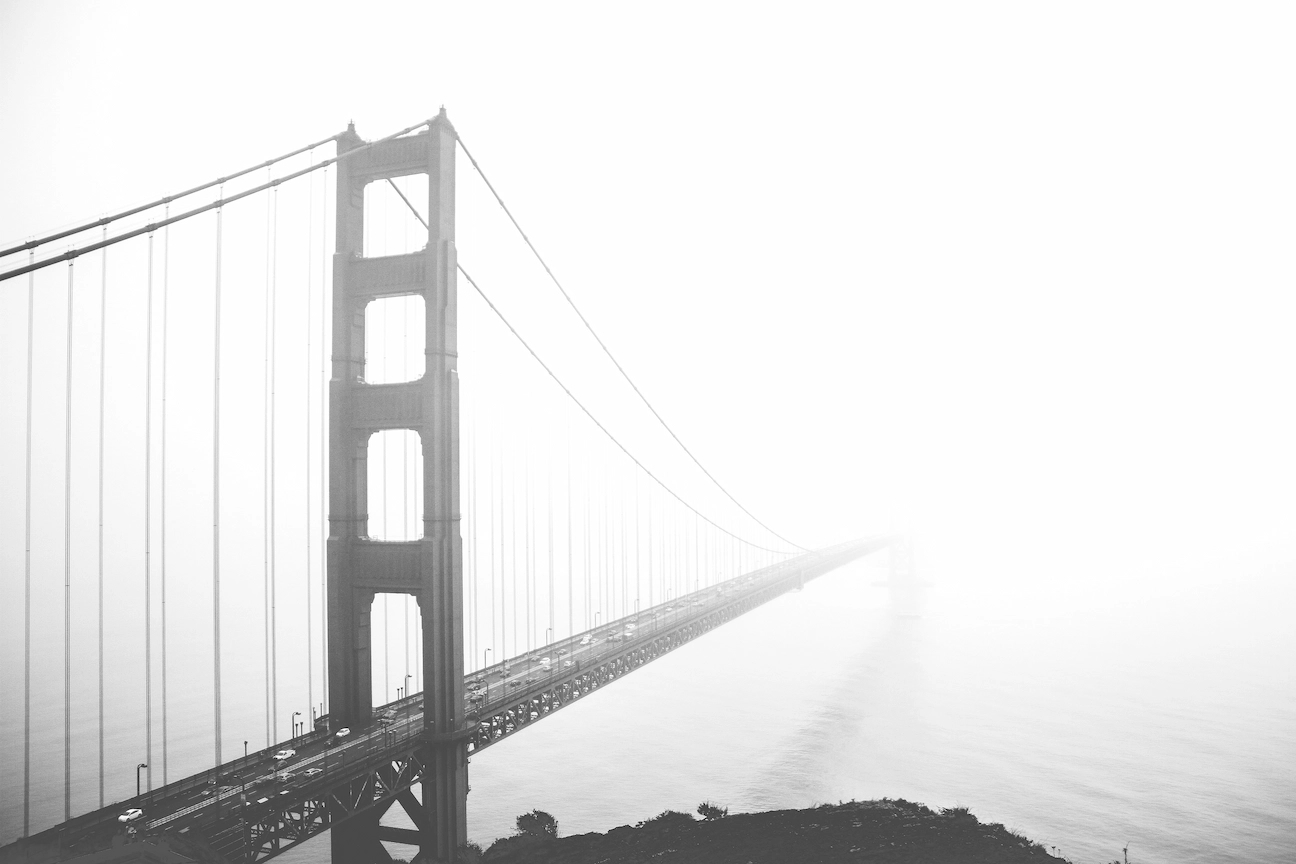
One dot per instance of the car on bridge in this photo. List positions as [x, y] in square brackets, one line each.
[284, 754]
[132, 815]
[340, 734]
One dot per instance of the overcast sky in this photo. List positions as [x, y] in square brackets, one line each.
[1016, 276]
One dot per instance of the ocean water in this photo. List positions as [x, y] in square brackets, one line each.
[1165, 723]
[1159, 719]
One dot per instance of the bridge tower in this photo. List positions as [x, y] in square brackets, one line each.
[431, 568]
[906, 589]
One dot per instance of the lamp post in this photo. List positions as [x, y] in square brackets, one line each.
[407, 680]
[137, 777]
[487, 677]
[295, 715]
[548, 635]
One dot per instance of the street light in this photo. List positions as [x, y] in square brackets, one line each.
[295, 715]
[137, 777]
[244, 749]
[487, 677]
[407, 680]
[548, 635]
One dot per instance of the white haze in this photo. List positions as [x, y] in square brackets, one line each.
[1015, 278]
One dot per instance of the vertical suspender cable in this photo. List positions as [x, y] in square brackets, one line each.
[608, 582]
[571, 615]
[513, 496]
[405, 532]
[636, 497]
[625, 554]
[148, 519]
[67, 564]
[265, 474]
[166, 256]
[216, 633]
[526, 539]
[386, 530]
[491, 536]
[503, 628]
[274, 593]
[549, 545]
[103, 332]
[589, 473]
[306, 317]
[324, 383]
[31, 318]
[478, 636]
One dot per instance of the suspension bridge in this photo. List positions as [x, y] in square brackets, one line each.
[246, 446]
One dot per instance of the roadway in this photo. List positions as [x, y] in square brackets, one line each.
[252, 786]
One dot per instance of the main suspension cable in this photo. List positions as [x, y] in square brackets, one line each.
[595, 420]
[211, 205]
[607, 351]
[125, 214]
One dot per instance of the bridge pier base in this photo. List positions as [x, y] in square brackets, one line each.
[357, 840]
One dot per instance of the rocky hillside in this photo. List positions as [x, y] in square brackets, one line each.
[896, 832]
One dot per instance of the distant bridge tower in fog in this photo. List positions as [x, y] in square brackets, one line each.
[905, 588]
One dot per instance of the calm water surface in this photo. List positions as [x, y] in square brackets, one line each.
[1163, 723]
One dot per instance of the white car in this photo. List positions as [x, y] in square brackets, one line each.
[586, 639]
[341, 733]
[131, 815]
[284, 754]
[312, 772]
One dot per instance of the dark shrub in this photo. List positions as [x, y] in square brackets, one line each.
[537, 823]
[710, 812]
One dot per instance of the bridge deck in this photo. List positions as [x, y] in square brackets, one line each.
[250, 809]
